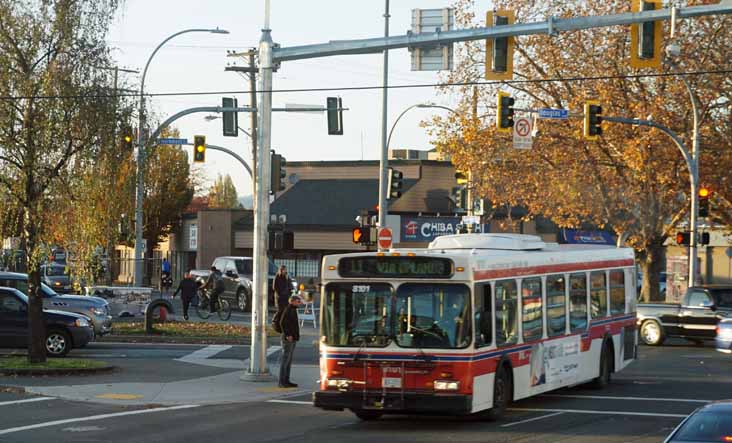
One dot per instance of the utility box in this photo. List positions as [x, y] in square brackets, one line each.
[432, 58]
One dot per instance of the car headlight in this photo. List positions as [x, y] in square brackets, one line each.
[82, 322]
[57, 283]
[99, 311]
[446, 385]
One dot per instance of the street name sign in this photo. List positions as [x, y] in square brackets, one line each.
[555, 114]
[172, 141]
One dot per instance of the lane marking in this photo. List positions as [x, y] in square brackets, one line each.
[27, 400]
[292, 402]
[508, 425]
[204, 353]
[584, 411]
[607, 397]
[92, 418]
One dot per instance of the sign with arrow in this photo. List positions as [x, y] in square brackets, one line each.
[522, 133]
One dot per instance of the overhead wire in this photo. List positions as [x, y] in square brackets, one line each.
[369, 88]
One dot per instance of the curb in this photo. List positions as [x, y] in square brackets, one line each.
[168, 339]
[56, 371]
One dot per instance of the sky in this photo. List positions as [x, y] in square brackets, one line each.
[195, 63]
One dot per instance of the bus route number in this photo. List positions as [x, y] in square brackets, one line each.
[360, 289]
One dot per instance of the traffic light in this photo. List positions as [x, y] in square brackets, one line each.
[230, 119]
[394, 185]
[359, 234]
[460, 197]
[278, 172]
[683, 238]
[645, 38]
[499, 51]
[128, 138]
[461, 178]
[593, 120]
[334, 107]
[504, 112]
[199, 148]
[704, 194]
[704, 238]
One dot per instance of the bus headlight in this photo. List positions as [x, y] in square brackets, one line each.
[446, 385]
[339, 383]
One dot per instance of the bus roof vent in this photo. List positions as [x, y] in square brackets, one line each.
[512, 242]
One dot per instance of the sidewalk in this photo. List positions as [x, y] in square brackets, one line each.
[218, 389]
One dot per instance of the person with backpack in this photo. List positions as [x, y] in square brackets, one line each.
[215, 286]
[290, 329]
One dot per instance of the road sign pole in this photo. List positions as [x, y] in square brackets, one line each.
[384, 161]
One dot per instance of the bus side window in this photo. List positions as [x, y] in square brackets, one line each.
[506, 314]
[617, 292]
[483, 316]
[577, 302]
[555, 301]
[598, 294]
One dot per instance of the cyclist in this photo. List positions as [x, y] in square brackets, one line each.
[215, 286]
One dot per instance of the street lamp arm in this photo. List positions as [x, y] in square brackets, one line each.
[391, 131]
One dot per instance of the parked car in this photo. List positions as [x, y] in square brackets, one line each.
[54, 275]
[710, 423]
[95, 308]
[237, 273]
[64, 330]
[724, 336]
[694, 319]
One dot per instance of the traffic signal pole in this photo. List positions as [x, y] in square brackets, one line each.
[384, 160]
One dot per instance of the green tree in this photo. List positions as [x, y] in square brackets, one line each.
[633, 180]
[223, 194]
[55, 110]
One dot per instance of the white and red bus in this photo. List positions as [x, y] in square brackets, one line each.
[471, 323]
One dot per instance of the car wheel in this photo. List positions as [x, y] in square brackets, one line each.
[58, 343]
[242, 300]
[651, 333]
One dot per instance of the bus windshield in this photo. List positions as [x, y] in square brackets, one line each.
[433, 316]
[357, 314]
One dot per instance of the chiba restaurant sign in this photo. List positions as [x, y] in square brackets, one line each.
[426, 229]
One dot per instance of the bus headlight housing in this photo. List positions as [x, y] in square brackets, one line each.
[446, 385]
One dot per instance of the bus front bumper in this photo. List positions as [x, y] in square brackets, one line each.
[394, 402]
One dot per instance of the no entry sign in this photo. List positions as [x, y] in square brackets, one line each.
[385, 238]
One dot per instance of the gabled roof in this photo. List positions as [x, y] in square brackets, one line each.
[329, 202]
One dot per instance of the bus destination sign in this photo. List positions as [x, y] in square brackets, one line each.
[395, 267]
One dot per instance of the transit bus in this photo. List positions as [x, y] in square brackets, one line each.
[471, 323]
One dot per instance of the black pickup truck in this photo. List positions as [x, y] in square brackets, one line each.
[694, 319]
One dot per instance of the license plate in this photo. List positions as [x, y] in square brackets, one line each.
[391, 382]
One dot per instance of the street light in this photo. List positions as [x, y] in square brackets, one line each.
[210, 118]
[673, 51]
[140, 194]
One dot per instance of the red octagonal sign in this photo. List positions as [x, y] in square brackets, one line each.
[385, 238]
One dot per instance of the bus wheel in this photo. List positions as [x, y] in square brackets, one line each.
[502, 389]
[606, 368]
[367, 415]
[651, 333]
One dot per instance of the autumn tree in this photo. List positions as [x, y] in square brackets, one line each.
[633, 180]
[56, 106]
[223, 194]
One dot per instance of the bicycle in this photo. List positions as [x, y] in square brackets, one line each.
[203, 310]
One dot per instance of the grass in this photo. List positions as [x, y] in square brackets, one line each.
[51, 363]
[186, 329]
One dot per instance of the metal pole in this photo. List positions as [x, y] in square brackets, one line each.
[384, 161]
[258, 356]
[253, 105]
[694, 216]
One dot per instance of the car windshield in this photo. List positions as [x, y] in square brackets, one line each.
[55, 271]
[433, 316]
[244, 266]
[357, 314]
[723, 298]
[706, 426]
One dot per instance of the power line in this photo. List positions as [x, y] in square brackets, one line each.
[374, 88]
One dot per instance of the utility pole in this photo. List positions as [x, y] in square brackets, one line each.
[257, 370]
[384, 161]
[253, 105]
